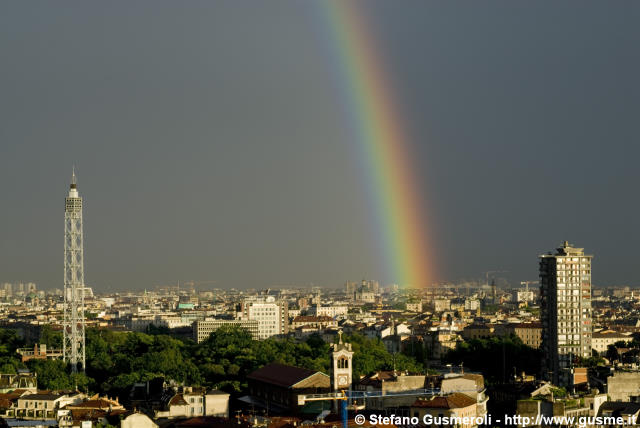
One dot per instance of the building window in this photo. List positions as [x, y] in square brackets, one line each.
[343, 363]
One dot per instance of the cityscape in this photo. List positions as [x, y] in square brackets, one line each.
[195, 355]
[323, 214]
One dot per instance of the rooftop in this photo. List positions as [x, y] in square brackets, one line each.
[281, 374]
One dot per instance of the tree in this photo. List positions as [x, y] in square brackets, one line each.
[612, 353]
[50, 337]
[496, 357]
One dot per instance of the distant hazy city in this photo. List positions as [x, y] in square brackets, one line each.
[548, 352]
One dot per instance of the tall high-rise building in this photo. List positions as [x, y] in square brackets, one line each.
[74, 321]
[7, 289]
[565, 292]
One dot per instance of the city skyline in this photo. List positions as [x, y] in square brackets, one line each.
[207, 153]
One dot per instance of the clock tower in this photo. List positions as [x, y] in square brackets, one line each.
[342, 359]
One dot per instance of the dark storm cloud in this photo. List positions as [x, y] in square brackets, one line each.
[209, 145]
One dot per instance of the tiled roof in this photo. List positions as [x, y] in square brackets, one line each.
[452, 401]
[305, 318]
[533, 325]
[281, 374]
[42, 396]
[177, 400]
[99, 403]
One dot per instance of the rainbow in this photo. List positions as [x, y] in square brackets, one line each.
[374, 119]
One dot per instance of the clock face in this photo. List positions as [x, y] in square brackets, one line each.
[343, 380]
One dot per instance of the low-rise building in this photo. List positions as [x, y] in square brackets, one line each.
[622, 386]
[138, 420]
[440, 305]
[39, 352]
[601, 340]
[529, 332]
[24, 381]
[188, 402]
[203, 329]
[478, 331]
[328, 311]
[387, 383]
[44, 405]
[317, 322]
[456, 405]
[414, 306]
[278, 386]
[439, 342]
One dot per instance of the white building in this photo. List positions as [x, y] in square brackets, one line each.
[203, 329]
[327, 311]
[272, 315]
[471, 304]
[440, 305]
[138, 420]
[193, 402]
[601, 340]
[414, 307]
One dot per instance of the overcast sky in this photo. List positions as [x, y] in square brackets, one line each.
[209, 145]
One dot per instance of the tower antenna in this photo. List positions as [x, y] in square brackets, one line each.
[74, 288]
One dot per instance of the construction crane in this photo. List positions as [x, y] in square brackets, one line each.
[526, 283]
[344, 396]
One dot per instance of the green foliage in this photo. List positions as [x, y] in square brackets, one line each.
[55, 375]
[612, 353]
[230, 354]
[50, 337]
[591, 362]
[497, 357]
[559, 392]
[9, 342]
[155, 330]
[370, 355]
[10, 361]
[490, 308]
[117, 360]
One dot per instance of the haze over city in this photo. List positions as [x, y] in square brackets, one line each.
[210, 142]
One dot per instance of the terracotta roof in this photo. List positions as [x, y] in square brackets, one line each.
[87, 414]
[41, 396]
[99, 403]
[451, 401]
[281, 374]
[610, 334]
[177, 400]
[305, 318]
[529, 325]
[210, 422]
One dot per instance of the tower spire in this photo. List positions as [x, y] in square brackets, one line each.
[73, 350]
[74, 182]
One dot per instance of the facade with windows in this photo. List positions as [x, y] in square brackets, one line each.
[203, 329]
[272, 315]
[565, 292]
[189, 402]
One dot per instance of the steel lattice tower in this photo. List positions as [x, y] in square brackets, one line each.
[73, 348]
